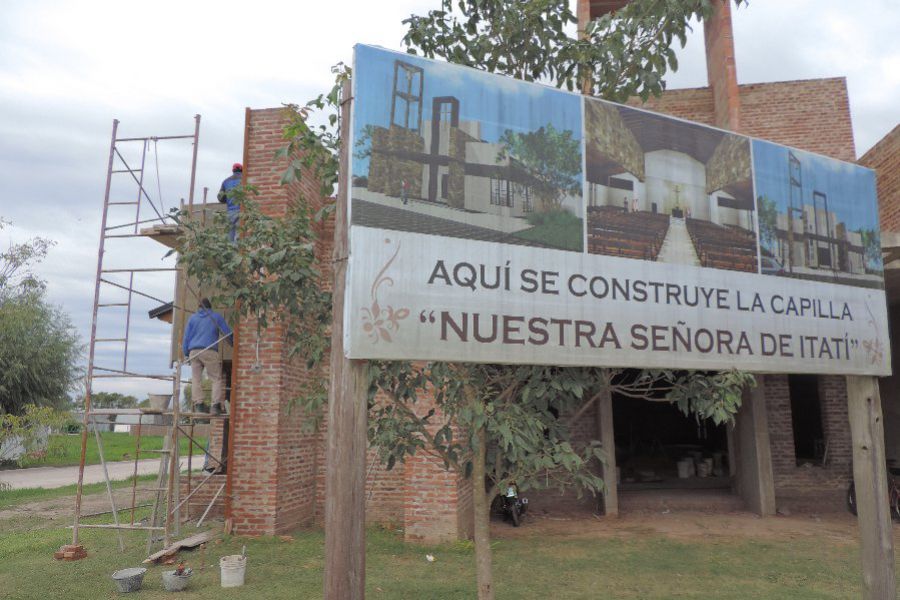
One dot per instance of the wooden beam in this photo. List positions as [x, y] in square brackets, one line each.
[607, 438]
[751, 452]
[870, 480]
[345, 478]
[188, 542]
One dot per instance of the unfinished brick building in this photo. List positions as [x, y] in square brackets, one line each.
[790, 446]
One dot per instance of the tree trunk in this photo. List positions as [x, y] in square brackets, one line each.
[481, 506]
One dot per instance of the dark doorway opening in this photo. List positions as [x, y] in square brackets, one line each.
[806, 418]
[658, 447]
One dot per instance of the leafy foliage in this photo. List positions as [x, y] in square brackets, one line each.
[768, 222]
[39, 347]
[16, 263]
[553, 159]
[109, 400]
[621, 54]
[39, 353]
[556, 228]
[30, 431]
[269, 274]
[871, 243]
[315, 148]
[526, 411]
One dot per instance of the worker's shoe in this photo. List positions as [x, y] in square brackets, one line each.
[200, 408]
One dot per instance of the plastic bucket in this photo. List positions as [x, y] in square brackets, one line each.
[685, 468]
[233, 568]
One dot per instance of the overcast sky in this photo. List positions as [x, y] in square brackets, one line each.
[67, 69]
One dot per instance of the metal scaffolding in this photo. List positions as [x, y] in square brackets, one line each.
[165, 518]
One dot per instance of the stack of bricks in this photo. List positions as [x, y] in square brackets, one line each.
[70, 552]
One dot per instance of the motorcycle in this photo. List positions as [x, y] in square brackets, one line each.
[510, 505]
[893, 481]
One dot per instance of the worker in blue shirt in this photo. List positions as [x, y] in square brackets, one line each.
[201, 347]
[226, 194]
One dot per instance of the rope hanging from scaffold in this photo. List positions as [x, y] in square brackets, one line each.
[162, 205]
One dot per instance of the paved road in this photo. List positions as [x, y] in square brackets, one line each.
[53, 477]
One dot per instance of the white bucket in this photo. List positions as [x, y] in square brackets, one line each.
[685, 468]
[233, 568]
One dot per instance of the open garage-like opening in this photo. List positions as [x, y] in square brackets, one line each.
[659, 447]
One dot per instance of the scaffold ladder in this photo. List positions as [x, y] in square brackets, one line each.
[165, 517]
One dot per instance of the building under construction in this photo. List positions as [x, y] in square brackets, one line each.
[790, 446]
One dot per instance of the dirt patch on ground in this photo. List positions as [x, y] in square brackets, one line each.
[686, 525]
[63, 507]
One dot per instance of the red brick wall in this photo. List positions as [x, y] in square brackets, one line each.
[274, 463]
[884, 157]
[194, 508]
[278, 471]
[720, 66]
[809, 484]
[811, 114]
[584, 431]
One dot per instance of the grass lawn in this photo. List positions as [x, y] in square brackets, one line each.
[625, 561]
[568, 235]
[65, 450]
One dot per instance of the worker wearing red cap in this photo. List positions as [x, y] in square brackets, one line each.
[226, 194]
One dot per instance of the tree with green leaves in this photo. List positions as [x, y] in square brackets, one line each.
[269, 274]
[39, 353]
[493, 423]
[110, 400]
[871, 243]
[39, 348]
[502, 424]
[17, 263]
[768, 223]
[552, 158]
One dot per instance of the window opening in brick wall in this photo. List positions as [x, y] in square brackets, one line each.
[806, 419]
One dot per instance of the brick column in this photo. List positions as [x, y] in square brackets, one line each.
[720, 66]
[274, 464]
[437, 503]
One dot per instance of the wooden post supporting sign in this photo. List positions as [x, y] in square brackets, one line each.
[870, 480]
[607, 438]
[345, 506]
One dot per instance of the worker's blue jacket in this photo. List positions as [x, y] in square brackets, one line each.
[203, 329]
[226, 193]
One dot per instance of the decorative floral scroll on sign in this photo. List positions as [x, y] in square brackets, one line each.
[381, 321]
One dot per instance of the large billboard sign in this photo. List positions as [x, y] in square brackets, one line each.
[494, 220]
